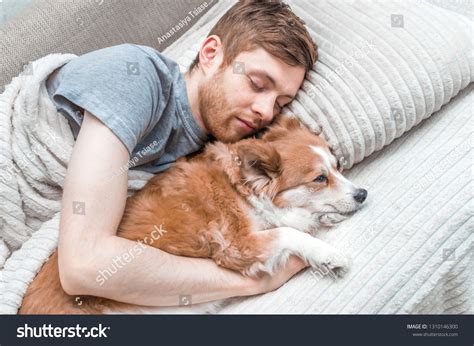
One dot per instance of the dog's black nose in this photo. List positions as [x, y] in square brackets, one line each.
[360, 195]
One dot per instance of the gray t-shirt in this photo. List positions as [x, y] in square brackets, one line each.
[139, 94]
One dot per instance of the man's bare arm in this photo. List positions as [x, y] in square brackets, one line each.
[93, 205]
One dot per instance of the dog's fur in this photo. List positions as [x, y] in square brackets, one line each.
[224, 204]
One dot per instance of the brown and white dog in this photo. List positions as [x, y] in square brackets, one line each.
[224, 204]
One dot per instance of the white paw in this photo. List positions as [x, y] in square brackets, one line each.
[331, 263]
[329, 220]
[337, 262]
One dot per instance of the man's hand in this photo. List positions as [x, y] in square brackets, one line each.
[267, 283]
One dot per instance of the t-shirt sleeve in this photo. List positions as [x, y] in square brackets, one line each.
[123, 86]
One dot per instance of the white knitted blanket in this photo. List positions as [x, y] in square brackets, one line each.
[412, 245]
[35, 145]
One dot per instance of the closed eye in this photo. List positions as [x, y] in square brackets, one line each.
[254, 86]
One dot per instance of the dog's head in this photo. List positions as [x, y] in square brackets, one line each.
[294, 167]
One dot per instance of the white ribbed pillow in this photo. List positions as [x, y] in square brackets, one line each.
[383, 67]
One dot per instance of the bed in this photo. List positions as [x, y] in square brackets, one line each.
[400, 119]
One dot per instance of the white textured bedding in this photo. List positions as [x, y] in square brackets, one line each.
[412, 244]
[419, 209]
[383, 67]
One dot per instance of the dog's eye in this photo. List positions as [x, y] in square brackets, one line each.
[321, 179]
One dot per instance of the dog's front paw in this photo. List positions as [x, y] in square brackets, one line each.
[331, 219]
[330, 261]
[337, 262]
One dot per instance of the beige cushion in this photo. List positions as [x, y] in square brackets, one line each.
[80, 26]
[384, 67]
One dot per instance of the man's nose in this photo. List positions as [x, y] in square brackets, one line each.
[265, 114]
[360, 195]
[264, 119]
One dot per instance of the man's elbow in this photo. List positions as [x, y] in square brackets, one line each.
[75, 277]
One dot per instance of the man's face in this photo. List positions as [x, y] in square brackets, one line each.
[244, 97]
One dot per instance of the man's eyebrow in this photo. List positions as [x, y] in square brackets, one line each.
[265, 75]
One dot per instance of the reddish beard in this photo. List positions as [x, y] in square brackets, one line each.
[216, 112]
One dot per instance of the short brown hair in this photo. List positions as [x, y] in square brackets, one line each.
[269, 24]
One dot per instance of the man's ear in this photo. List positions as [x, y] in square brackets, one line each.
[281, 126]
[210, 54]
[261, 165]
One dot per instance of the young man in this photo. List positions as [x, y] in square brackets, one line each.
[135, 109]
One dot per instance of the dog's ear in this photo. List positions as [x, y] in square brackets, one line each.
[340, 162]
[260, 165]
[288, 122]
[281, 126]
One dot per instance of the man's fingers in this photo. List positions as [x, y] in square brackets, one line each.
[296, 264]
[267, 283]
